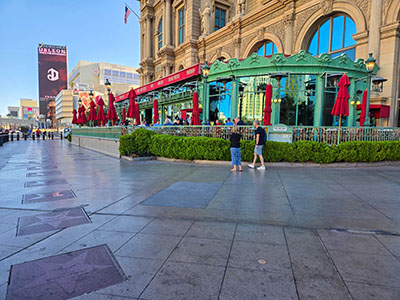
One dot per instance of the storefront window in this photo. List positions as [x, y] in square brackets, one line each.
[334, 36]
[298, 100]
[220, 101]
[329, 101]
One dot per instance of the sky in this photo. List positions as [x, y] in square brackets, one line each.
[93, 30]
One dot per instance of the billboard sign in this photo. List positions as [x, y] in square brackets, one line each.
[52, 73]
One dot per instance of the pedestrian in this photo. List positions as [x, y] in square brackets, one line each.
[238, 122]
[235, 149]
[229, 122]
[260, 141]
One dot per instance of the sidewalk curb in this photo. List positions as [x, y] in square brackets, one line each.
[343, 165]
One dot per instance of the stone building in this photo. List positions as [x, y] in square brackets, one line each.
[176, 34]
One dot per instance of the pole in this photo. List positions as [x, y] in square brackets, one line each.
[340, 125]
[367, 123]
[297, 112]
[205, 102]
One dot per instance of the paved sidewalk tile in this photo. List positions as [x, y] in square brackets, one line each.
[182, 281]
[260, 233]
[126, 224]
[249, 284]
[361, 291]
[212, 230]
[167, 227]
[149, 246]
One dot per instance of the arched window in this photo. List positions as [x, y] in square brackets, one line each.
[334, 36]
[267, 48]
[160, 34]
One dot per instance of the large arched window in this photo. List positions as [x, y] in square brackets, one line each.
[160, 34]
[334, 36]
[266, 48]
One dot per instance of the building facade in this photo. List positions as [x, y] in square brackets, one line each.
[176, 34]
[29, 109]
[91, 76]
[13, 111]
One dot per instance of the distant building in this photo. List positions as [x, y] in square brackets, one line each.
[29, 109]
[13, 111]
[91, 76]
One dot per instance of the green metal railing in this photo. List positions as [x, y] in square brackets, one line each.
[318, 134]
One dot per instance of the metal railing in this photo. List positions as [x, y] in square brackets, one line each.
[327, 135]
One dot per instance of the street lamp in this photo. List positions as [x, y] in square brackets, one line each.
[108, 85]
[205, 69]
[370, 66]
[278, 77]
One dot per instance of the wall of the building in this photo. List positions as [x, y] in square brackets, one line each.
[287, 23]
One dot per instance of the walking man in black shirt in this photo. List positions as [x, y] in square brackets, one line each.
[260, 141]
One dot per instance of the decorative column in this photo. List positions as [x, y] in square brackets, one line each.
[374, 38]
[235, 98]
[351, 120]
[167, 22]
[149, 34]
[319, 100]
[289, 23]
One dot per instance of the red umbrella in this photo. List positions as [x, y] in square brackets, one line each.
[112, 114]
[137, 114]
[196, 114]
[156, 115]
[267, 109]
[363, 108]
[123, 115]
[101, 118]
[92, 113]
[131, 108]
[341, 107]
[74, 119]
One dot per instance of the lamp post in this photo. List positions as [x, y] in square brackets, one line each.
[108, 86]
[205, 69]
[91, 99]
[79, 106]
[370, 65]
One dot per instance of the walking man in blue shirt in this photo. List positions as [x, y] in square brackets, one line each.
[260, 141]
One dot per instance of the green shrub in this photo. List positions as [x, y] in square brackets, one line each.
[146, 142]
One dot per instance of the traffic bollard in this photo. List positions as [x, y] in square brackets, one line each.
[12, 137]
[25, 136]
[33, 136]
[44, 136]
[17, 136]
[52, 135]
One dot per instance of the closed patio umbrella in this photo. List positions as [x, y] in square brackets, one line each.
[112, 113]
[363, 108]
[101, 118]
[196, 114]
[137, 114]
[82, 115]
[267, 108]
[92, 113]
[341, 107]
[131, 108]
[123, 115]
[156, 115]
[74, 118]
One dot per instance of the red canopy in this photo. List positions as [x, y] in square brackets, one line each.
[363, 108]
[267, 109]
[112, 114]
[196, 114]
[156, 115]
[341, 107]
[131, 108]
[123, 115]
[101, 118]
[74, 119]
[92, 113]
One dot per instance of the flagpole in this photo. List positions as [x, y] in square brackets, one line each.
[132, 10]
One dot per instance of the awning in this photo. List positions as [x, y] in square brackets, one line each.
[176, 77]
[379, 111]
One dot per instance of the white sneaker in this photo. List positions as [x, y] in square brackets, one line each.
[251, 166]
[261, 168]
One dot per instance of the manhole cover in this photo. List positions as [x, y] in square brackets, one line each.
[65, 276]
[45, 197]
[52, 221]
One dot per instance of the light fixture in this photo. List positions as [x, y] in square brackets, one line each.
[278, 77]
[279, 100]
[378, 84]
[370, 63]
[107, 84]
[205, 70]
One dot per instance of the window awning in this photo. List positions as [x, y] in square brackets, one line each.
[378, 110]
[176, 77]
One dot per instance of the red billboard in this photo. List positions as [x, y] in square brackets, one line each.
[53, 75]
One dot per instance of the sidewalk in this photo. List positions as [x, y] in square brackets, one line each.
[186, 231]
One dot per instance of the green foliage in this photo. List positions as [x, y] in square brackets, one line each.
[146, 142]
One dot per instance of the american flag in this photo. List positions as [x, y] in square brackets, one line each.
[127, 13]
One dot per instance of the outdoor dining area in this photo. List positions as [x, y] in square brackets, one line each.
[314, 98]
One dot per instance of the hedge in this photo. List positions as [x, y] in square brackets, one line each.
[143, 142]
